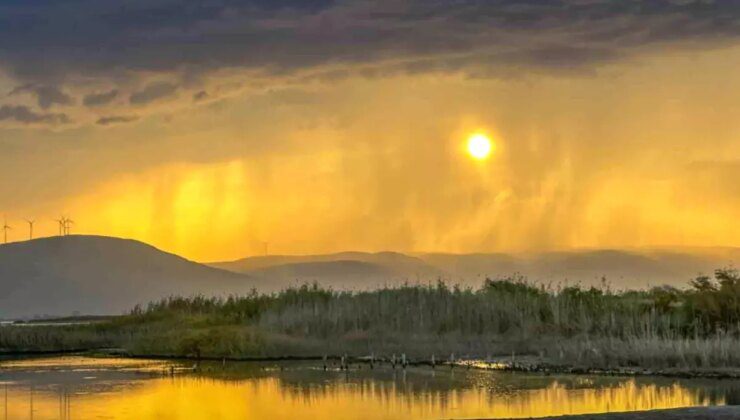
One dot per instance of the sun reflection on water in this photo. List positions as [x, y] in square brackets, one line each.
[314, 394]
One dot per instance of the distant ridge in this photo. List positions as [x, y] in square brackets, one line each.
[621, 268]
[343, 270]
[400, 262]
[100, 275]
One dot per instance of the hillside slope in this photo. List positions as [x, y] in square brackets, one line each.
[99, 275]
[343, 270]
[620, 268]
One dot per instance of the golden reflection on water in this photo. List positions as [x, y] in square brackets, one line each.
[272, 397]
[79, 363]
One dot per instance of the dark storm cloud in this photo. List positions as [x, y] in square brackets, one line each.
[49, 40]
[23, 114]
[117, 119]
[46, 96]
[153, 92]
[99, 99]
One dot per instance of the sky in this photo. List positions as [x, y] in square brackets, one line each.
[222, 129]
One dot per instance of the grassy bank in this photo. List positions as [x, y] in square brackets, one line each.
[697, 327]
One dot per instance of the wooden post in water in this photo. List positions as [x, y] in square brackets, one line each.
[403, 360]
[324, 361]
[393, 361]
[452, 361]
[433, 362]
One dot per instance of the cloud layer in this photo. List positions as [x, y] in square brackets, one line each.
[24, 115]
[52, 40]
[116, 119]
[101, 98]
[47, 46]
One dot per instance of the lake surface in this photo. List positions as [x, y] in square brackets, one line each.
[86, 388]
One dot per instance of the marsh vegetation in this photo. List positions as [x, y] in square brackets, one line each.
[697, 327]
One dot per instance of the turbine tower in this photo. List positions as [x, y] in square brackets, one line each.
[68, 225]
[30, 228]
[6, 227]
[60, 225]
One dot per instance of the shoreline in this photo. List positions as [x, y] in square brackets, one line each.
[723, 412]
[501, 364]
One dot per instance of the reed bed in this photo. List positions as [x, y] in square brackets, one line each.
[693, 327]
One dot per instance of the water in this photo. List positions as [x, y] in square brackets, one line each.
[86, 388]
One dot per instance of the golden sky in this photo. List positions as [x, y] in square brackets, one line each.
[638, 149]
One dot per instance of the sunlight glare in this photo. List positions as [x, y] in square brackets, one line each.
[479, 146]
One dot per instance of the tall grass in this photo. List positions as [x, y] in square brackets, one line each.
[504, 306]
[691, 327]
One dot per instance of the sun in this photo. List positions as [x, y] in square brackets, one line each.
[479, 146]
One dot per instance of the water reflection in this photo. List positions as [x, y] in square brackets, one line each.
[108, 388]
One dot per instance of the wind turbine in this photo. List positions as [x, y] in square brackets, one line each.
[60, 224]
[30, 228]
[6, 228]
[68, 225]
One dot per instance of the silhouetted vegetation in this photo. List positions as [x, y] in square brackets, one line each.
[662, 327]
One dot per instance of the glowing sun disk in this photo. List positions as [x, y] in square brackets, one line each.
[479, 146]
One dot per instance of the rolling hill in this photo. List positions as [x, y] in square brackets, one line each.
[620, 268]
[99, 275]
[343, 270]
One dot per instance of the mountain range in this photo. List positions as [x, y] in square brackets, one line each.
[103, 275]
[618, 268]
